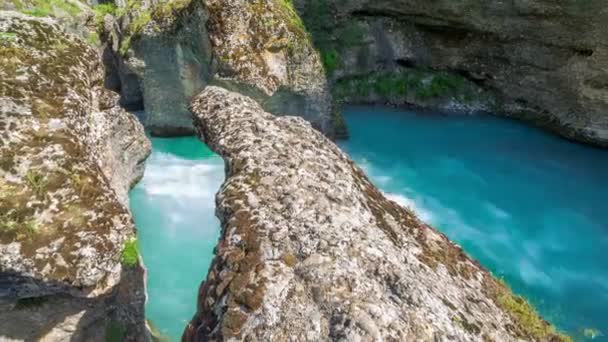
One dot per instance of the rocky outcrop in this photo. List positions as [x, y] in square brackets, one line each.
[541, 61]
[68, 264]
[310, 248]
[158, 57]
[164, 53]
[264, 46]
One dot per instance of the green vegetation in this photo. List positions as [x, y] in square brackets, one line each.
[93, 39]
[294, 18]
[330, 41]
[423, 84]
[10, 224]
[130, 253]
[115, 331]
[526, 316]
[44, 8]
[102, 10]
[169, 8]
[141, 18]
[351, 34]
[36, 182]
[7, 36]
[331, 60]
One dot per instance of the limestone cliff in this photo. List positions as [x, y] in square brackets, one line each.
[164, 53]
[311, 250]
[68, 264]
[542, 61]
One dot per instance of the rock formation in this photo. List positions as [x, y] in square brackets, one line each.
[162, 54]
[310, 249]
[542, 61]
[68, 266]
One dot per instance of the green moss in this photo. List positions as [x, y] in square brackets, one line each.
[115, 331]
[130, 253]
[439, 85]
[526, 316]
[331, 60]
[93, 39]
[8, 36]
[294, 18]
[101, 11]
[169, 8]
[351, 34]
[44, 8]
[423, 84]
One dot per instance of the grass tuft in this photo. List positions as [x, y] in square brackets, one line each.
[130, 253]
[37, 182]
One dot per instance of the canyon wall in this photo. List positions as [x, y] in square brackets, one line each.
[161, 54]
[542, 61]
[310, 249]
[69, 268]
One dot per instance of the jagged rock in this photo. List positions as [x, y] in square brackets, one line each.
[311, 250]
[68, 155]
[545, 62]
[258, 48]
[160, 65]
[264, 45]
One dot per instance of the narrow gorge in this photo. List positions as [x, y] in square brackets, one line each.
[298, 169]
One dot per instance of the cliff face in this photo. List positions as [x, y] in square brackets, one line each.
[164, 53]
[542, 61]
[68, 156]
[310, 248]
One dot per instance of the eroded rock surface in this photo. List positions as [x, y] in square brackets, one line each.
[68, 155]
[311, 250]
[264, 45]
[164, 53]
[542, 61]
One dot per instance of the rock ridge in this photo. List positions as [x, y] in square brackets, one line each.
[311, 250]
[68, 156]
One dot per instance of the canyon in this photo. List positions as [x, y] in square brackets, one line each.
[308, 245]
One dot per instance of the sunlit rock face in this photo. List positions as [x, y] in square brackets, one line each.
[162, 54]
[311, 248]
[542, 61]
[68, 157]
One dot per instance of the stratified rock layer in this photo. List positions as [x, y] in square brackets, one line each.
[311, 250]
[68, 155]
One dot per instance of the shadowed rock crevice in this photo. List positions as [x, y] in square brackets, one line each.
[311, 248]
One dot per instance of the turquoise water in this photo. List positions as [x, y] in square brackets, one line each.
[174, 210]
[529, 206]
